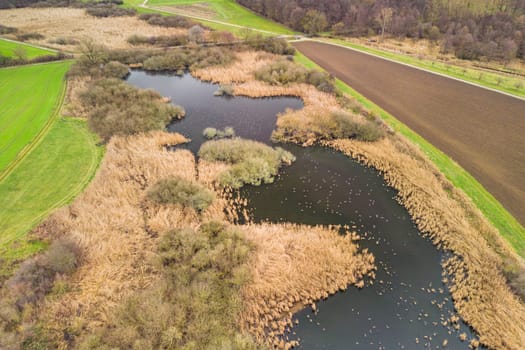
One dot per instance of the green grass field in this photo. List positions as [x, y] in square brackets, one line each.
[227, 11]
[507, 225]
[58, 168]
[7, 49]
[511, 85]
[32, 95]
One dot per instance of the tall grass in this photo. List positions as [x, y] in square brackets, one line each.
[479, 289]
[294, 267]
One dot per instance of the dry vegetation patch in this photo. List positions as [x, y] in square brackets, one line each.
[294, 267]
[75, 25]
[478, 287]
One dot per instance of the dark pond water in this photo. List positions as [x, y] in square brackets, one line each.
[407, 304]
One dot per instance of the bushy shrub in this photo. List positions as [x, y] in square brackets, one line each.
[196, 303]
[169, 62]
[64, 41]
[7, 30]
[346, 126]
[167, 21]
[252, 162]
[284, 72]
[277, 46]
[177, 190]
[119, 108]
[109, 10]
[29, 36]
[115, 69]
[212, 133]
[224, 90]
[209, 133]
[162, 41]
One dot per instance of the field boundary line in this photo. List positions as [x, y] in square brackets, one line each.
[38, 137]
[82, 184]
[415, 67]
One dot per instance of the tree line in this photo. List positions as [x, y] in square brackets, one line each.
[470, 29]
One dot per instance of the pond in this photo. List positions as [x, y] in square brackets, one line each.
[407, 306]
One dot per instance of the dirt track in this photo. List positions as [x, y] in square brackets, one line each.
[483, 131]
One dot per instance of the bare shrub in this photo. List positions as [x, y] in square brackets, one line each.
[273, 45]
[196, 33]
[29, 36]
[167, 21]
[109, 10]
[7, 30]
[64, 41]
[115, 69]
[192, 59]
[177, 190]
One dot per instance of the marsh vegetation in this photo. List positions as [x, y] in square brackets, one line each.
[251, 162]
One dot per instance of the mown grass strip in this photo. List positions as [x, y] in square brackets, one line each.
[8, 49]
[33, 96]
[49, 177]
[507, 225]
[230, 12]
[514, 86]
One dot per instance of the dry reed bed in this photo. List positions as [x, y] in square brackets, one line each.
[73, 23]
[110, 223]
[479, 289]
[117, 230]
[294, 267]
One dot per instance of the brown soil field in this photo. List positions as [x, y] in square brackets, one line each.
[480, 129]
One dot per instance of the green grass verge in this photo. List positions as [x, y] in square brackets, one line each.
[227, 11]
[507, 225]
[231, 12]
[7, 49]
[514, 86]
[51, 175]
[33, 94]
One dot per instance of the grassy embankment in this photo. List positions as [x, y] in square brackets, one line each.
[59, 156]
[511, 85]
[507, 225]
[34, 94]
[8, 49]
[232, 16]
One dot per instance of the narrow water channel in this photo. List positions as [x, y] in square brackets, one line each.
[407, 306]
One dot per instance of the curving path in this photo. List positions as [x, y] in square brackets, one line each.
[484, 131]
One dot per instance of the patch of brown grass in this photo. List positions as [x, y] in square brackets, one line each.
[480, 291]
[239, 72]
[296, 266]
[73, 23]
